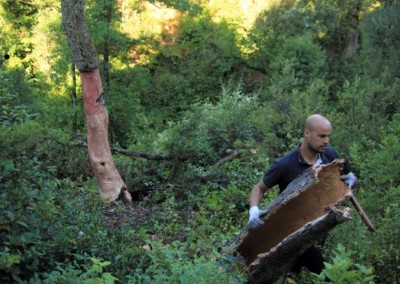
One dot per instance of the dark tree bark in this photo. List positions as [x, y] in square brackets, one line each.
[74, 101]
[304, 213]
[352, 37]
[111, 185]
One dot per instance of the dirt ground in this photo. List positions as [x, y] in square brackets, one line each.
[127, 214]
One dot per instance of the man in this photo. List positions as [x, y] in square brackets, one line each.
[313, 150]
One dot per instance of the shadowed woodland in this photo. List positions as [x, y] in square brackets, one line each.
[202, 96]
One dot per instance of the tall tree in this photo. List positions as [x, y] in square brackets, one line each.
[111, 185]
[104, 15]
[74, 101]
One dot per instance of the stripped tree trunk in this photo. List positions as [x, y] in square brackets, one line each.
[303, 214]
[111, 185]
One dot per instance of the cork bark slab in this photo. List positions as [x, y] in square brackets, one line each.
[311, 197]
[269, 266]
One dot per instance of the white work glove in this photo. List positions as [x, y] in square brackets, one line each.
[254, 219]
[349, 179]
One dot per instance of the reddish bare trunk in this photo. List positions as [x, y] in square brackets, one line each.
[111, 185]
[109, 181]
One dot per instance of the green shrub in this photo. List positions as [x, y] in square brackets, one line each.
[377, 165]
[39, 224]
[202, 138]
[89, 274]
[11, 112]
[172, 263]
[342, 269]
[300, 57]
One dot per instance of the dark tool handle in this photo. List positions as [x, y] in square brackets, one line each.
[364, 216]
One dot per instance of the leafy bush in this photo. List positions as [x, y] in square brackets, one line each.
[381, 44]
[90, 274]
[13, 114]
[174, 264]
[205, 133]
[361, 108]
[378, 192]
[15, 104]
[39, 227]
[302, 58]
[342, 269]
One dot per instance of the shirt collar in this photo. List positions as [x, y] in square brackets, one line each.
[303, 162]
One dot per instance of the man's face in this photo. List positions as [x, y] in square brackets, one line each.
[318, 139]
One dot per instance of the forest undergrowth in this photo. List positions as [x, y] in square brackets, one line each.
[218, 92]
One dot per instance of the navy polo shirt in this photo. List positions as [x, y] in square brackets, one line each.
[285, 169]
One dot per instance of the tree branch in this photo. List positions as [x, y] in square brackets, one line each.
[132, 153]
[232, 155]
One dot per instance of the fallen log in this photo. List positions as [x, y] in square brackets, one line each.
[301, 215]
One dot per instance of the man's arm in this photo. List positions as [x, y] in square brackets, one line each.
[257, 193]
[256, 196]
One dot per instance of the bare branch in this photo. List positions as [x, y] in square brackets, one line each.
[132, 153]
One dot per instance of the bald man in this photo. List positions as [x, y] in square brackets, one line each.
[313, 150]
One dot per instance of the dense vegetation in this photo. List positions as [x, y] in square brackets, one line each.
[189, 81]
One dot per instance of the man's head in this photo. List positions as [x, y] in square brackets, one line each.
[317, 130]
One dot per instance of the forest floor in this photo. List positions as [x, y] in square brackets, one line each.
[132, 214]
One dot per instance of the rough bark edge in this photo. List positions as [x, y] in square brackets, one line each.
[310, 177]
[268, 267]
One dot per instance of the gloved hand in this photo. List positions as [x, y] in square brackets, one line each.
[349, 179]
[254, 219]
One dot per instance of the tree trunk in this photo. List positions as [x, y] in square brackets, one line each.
[303, 214]
[74, 101]
[353, 18]
[111, 185]
[107, 14]
[107, 89]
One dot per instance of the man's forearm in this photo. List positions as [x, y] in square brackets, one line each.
[257, 193]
